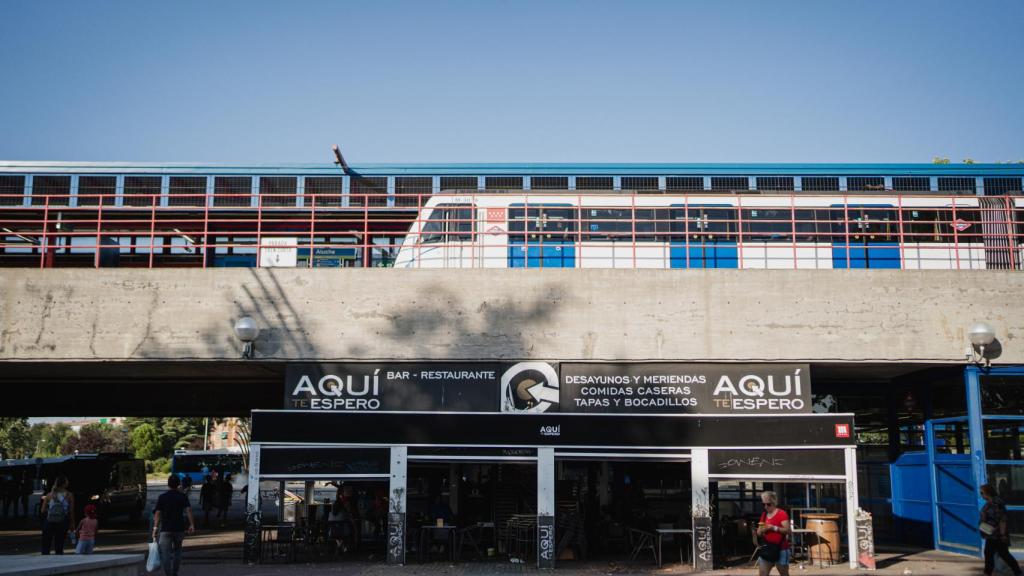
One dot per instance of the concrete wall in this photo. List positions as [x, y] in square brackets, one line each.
[828, 315]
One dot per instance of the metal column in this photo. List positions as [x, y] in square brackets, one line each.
[700, 499]
[851, 505]
[253, 517]
[396, 505]
[545, 507]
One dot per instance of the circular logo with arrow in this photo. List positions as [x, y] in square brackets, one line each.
[529, 387]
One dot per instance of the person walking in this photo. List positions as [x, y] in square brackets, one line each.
[26, 489]
[58, 508]
[87, 531]
[224, 493]
[996, 531]
[774, 529]
[207, 498]
[169, 525]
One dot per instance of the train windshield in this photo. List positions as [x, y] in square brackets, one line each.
[449, 223]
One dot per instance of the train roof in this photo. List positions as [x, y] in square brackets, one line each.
[61, 459]
[522, 169]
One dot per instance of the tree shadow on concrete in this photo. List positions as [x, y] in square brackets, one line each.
[440, 327]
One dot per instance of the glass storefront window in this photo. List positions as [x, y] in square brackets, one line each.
[1008, 480]
[1002, 395]
[952, 438]
[1003, 439]
[1016, 525]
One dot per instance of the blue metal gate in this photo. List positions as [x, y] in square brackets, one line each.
[954, 489]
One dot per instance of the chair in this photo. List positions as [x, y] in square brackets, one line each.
[473, 535]
[640, 540]
[284, 543]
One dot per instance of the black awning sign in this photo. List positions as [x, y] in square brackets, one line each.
[686, 388]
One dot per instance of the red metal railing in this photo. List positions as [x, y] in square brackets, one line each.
[931, 231]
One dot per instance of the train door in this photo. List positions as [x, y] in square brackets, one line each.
[865, 236]
[704, 236]
[542, 236]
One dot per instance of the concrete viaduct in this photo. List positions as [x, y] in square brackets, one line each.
[76, 341]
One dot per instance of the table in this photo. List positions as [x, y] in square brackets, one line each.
[429, 531]
[662, 531]
[796, 515]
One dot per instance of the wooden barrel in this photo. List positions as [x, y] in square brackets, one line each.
[824, 544]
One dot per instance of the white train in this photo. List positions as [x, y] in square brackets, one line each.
[551, 230]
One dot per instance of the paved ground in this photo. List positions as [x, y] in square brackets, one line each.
[216, 551]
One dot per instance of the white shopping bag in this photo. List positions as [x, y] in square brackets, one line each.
[153, 560]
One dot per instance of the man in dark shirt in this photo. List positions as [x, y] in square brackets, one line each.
[170, 526]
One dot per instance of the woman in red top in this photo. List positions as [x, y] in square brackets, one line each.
[774, 529]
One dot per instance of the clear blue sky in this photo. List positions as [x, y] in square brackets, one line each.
[489, 81]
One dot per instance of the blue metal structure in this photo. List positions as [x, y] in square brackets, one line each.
[522, 169]
[940, 485]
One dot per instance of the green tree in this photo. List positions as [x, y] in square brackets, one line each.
[147, 442]
[182, 433]
[93, 438]
[51, 438]
[15, 438]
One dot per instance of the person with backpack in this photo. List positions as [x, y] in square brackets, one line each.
[773, 528]
[58, 508]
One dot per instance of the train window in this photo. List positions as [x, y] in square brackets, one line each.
[323, 191]
[939, 225]
[368, 191]
[449, 223]
[232, 191]
[956, 184]
[141, 190]
[56, 188]
[707, 223]
[278, 190]
[611, 224]
[92, 189]
[775, 183]
[12, 190]
[863, 183]
[653, 225]
[773, 224]
[595, 183]
[912, 184]
[187, 191]
[684, 183]
[459, 183]
[640, 183]
[741, 183]
[412, 191]
[549, 183]
[865, 224]
[820, 183]
[812, 225]
[503, 183]
[1002, 186]
[543, 223]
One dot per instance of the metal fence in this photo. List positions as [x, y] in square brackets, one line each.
[192, 226]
